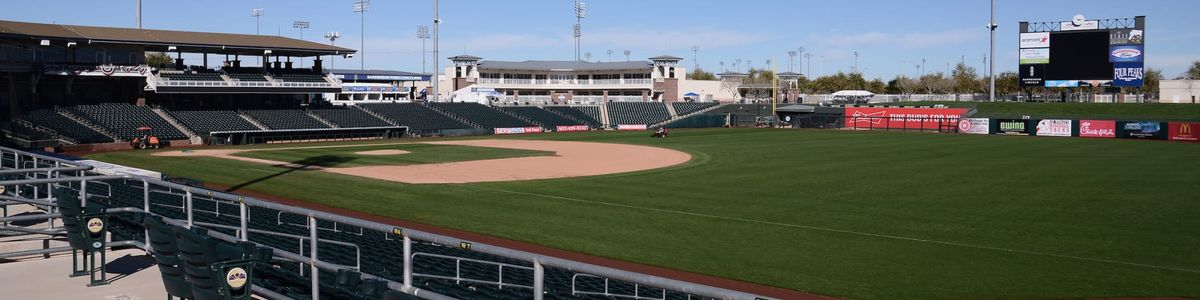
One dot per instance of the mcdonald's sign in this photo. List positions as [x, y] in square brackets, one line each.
[1177, 131]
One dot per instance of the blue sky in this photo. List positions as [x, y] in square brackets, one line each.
[891, 36]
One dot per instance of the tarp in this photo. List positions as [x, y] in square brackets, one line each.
[851, 93]
[796, 108]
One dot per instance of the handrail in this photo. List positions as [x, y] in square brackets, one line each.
[458, 270]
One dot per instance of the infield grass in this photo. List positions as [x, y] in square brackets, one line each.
[868, 215]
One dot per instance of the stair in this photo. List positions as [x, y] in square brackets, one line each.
[376, 115]
[253, 121]
[448, 115]
[676, 118]
[604, 115]
[192, 136]
[322, 120]
[671, 110]
[562, 115]
[86, 123]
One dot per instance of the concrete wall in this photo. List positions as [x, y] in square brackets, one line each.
[707, 88]
[1177, 91]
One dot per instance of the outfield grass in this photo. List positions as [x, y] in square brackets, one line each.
[869, 215]
[1120, 111]
[344, 155]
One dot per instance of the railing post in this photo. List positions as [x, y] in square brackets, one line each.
[146, 208]
[83, 193]
[539, 278]
[187, 206]
[407, 262]
[243, 216]
[312, 263]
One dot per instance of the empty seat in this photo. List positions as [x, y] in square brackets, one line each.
[637, 112]
[417, 117]
[65, 126]
[277, 119]
[542, 116]
[207, 121]
[124, 120]
[350, 117]
[479, 114]
[590, 115]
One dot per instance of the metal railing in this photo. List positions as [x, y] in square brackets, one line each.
[13, 159]
[458, 274]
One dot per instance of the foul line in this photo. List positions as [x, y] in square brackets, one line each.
[1100, 260]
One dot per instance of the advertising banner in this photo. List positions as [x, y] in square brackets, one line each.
[1035, 40]
[1085, 25]
[1129, 74]
[631, 127]
[1126, 54]
[902, 118]
[1033, 75]
[569, 128]
[1098, 129]
[1178, 131]
[1012, 126]
[1062, 83]
[974, 125]
[533, 129]
[1126, 37]
[1035, 56]
[97, 70]
[518, 130]
[1054, 127]
[1141, 130]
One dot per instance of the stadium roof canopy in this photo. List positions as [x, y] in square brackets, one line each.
[163, 40]
[564, 65]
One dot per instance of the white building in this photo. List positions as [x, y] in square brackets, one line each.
[1179, 91]
[570, 82]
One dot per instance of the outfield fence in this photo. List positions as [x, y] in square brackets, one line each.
[311, 244]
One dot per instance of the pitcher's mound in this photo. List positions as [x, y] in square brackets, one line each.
[382, 152]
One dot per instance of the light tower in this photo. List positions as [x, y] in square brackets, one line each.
[610, 52]
[332, 36]
[360, 7]
[627, 55]
[423, 34]
[791, 61]
[856, 61]
[992, 66]
[580, 13]
[808, 56]
[257, 13]
[695, 57]
[437, 21]
[302, 25]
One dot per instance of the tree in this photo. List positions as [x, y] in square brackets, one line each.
[1152, 80]
[700, 74]
[965, 79]
[877, 86]
[1193, 72]
[159, 60]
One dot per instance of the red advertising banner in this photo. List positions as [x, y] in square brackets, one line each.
[1098, 129]
[517, 130]
[1178, 131]
[900, 118]
[533, 130]
[569, 128]
[631, 127]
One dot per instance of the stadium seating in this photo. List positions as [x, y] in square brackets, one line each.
[277, 119]
[192, 76]
[65, 126]
[124, 120]
[297, 75]
[207, 121]
[590, 115]
[482, 115]
[350, 117]
[254, 77]
[417, 117]
[684, 108]
[542, 116]
[637, 112]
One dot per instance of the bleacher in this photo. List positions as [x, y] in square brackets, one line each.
[484, 116]
[542, 116]
[637, 112]
[417, 117]
[124, 120]
[590, 115]
[191, 76]
[248, 77]
[684, 108]
[297, 75]
[350, 117]
[65, 126]
[207, 121]
[278, 119]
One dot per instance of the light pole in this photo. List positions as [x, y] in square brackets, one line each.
[423, 34]
[992, 64]
[302, 25]
[587, 57]
[696, 57]
[627, 55]
[257, 13]
[580, 13]
[802, 55]
[722, 67]
[360, 7]
[791, 61]
[808, 56]
[856, 61]
[437, 21]
[332, 36]
[610, 52]
[737, 65]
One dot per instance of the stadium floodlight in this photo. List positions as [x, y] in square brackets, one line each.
[696, 57]
[302, 25]
[332, 36]
[360, 7]
[627, 55]
[580, 14]
[992, 68]
[791, 60]
[257, 13]
[610, 52]
[423, 34]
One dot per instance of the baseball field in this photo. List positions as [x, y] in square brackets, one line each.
[865, 215]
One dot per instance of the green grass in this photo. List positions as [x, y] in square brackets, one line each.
[344, 155]
[1122, 111]
[868, 215]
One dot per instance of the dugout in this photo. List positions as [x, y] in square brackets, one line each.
[807, 116]
[305, 135]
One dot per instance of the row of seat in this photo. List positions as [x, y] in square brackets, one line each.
[637, 112]
[64, 126]
[128, 121]
[542, 116]
[207, 121]
[485, 116]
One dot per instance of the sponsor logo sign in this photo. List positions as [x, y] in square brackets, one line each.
[1128, 74]
[1033, 75]
[1035, 56]
[1140, 130]
[1126, 37]
[974, 125]
[95, 225]
[1126, 54]
[1177, 131]
[1085, 25]
[1012, 126]
[1054, 128]
[517, 130]
[97, 70]
[1098, 128]
[1062, 83]
[631, 126]
[902, 118]
[569, 128]
[1035, 40]
[236, 278]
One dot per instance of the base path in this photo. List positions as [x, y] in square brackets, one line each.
[572, 159]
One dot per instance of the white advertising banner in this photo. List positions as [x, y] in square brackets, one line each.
[1035, 40]
[631, 127]
[974, 125]
[97, 70]
[1035, 56]
[1054, 128]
